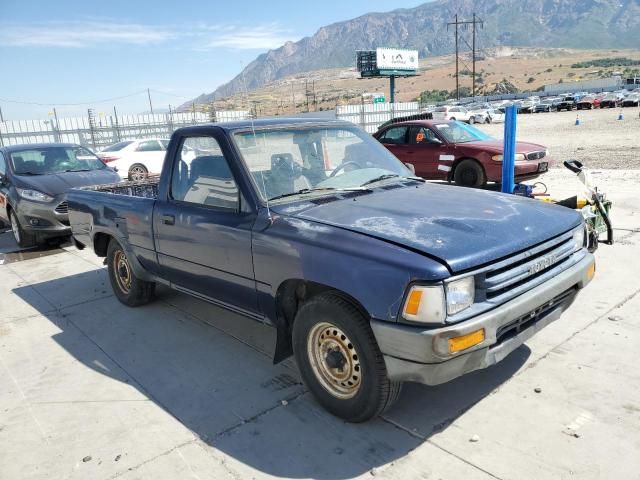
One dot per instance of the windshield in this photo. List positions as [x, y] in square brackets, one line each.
[117, 146]
[301, 161]
[54, 159]
[458, 132]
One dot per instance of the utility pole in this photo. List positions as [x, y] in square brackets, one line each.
[293, 98]
[474, 22]
[1, 117]
[150, 104]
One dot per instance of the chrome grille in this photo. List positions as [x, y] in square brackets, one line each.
[536, 155]
[63, 208]
[504, 277]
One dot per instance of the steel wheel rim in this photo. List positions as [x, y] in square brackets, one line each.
[138, 173]
[122, 271]
[325, 344]
[15, 228]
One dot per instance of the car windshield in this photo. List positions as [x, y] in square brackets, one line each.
[458, 132]
[117, 146]
[54, 159]
[286, 163]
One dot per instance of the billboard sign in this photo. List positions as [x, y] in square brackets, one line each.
[396, 59]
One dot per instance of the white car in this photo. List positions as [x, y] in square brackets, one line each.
[136, 159]
[448, 112]
[487, 115]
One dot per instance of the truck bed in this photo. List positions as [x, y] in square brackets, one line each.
[147, 188]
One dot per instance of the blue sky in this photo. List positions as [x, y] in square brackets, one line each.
[70, 51]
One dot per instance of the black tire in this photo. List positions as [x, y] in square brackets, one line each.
[138, 172]
[472, 120]
[488, 120]
[453, 119]
[337, 325]
[469, 173]
[127, 287]
[23, 238]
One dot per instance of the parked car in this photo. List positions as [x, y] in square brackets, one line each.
[567, 103]
[136, 159]
[632, 100]
[588, 103]
[547, 105]
[370, 276]
[487, 115]
[33, 181]
[452, 113]
[458, 152]
[612, 100]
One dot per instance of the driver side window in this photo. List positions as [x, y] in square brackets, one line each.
[202, 176]
[424, 136]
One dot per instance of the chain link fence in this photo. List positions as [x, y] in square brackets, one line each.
[370, 116]
[98, 131]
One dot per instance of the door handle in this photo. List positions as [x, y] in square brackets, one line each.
[168, 219]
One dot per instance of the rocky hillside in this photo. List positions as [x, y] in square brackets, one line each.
[551, 23]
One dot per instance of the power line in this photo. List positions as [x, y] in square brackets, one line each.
[458, 23]
[53, 104]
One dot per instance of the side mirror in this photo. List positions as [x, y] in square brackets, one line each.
[411, 168]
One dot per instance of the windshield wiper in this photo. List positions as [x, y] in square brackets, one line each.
[28, 173]
[380, 178]
[79, 170]
[304, 191]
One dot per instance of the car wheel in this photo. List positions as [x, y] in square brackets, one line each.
[23, 239]
[469, 173]
[453, 119]
[472, 120]
[339, 359]
[488, 120]
[138, 172]
[127, 287]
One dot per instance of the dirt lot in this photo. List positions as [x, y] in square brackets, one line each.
[601, 141]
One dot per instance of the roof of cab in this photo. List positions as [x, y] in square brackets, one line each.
[261, 123]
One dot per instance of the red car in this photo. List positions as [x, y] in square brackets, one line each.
[589, 102]
[458, 152]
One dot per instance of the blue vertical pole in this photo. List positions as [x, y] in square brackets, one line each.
[509, 153]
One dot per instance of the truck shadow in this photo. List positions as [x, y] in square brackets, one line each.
[210, 369]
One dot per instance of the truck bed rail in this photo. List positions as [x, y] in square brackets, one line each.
[147, 188]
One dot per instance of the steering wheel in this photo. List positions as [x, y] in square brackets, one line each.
[342, 166]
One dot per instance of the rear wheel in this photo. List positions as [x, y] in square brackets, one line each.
[23, 238]
[340, 361]
[127, 287]
[472, 120]
[138, 172]
[469, 173]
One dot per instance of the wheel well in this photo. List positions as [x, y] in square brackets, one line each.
[101, 243]
[290, 296]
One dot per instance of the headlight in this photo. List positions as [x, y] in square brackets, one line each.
[460, 294]
[34, 195]
[578, 238]
[519, 157]
[432, 304]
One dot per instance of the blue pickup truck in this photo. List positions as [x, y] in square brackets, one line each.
[371, 276]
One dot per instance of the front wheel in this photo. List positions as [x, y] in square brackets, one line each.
[23, 238]
[127, 287]
[469, 173]
[340, 361]
[138, 172]
[472, 120]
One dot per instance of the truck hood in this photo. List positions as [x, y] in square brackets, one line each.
[497, 146]
[55, 184]
[464, 228]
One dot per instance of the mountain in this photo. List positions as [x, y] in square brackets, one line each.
[540, 23]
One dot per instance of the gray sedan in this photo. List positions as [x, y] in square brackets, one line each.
[33, 182]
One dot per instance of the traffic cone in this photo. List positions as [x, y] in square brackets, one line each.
[577, 120]
[620, 116]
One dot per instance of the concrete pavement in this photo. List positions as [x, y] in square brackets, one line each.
[90, 389]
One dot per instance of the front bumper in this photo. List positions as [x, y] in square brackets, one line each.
[48, 221]
[416, 354]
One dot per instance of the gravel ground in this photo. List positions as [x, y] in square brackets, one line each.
[601, 141]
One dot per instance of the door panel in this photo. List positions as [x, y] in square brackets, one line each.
[202, 237]
[426, 153]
